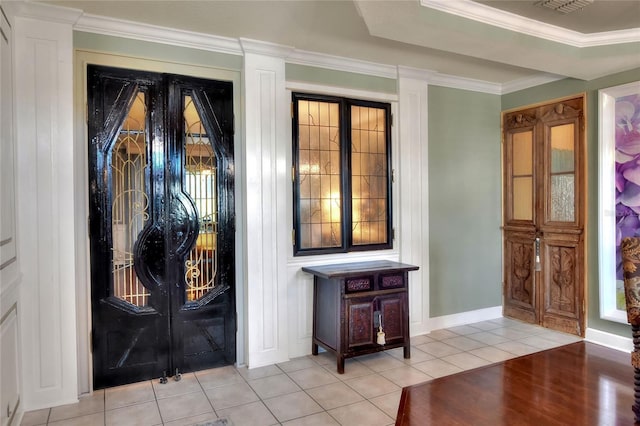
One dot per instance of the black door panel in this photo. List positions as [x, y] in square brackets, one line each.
[162, 244]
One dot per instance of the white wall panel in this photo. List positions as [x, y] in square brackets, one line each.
[45, 200]
[266, 143]
[413, 175]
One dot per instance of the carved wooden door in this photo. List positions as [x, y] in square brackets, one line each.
[161, 224]
[544, 215]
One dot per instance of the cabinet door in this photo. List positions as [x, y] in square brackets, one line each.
[392, 313]
[360, 322]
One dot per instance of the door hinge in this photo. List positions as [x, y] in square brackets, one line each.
[393, 233]
[291, 109]
[86, 113]
[91, 341]
[293, 237]
[293, 174]
[89, 226]
[393, 175]
[391, 120]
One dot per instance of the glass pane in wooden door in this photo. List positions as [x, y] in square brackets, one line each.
[562, 194]
[200, 183]
[130, 203]
[522, 175]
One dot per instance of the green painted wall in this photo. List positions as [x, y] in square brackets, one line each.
[156, 51]
[307, 74]
[564, 88]
[464, 201]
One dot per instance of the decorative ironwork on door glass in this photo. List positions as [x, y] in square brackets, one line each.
[129, 208]
[201, 264]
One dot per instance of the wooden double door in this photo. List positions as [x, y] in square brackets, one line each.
[161, 194]
[544, 215]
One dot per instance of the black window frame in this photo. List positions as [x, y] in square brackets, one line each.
[345, 105]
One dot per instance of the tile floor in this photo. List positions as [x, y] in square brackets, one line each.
[306, 390]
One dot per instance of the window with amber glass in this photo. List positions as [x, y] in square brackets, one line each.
[341, 173]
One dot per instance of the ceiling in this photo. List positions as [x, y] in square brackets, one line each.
[499, 42]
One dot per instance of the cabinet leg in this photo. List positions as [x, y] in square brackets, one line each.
[407, 352]
[314, 348]
[340, 363]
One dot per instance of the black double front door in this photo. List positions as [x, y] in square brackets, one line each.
[162, 234]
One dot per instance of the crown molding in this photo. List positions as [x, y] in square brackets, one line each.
[265, 48]
[156, 34]
[527, 82]
[510, 21]
[340, 63]
[415, 73]
[463, 83]
[59, 14]
[303, 86]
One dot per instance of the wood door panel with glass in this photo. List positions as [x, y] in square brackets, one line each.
[161, 224]
[544, 214]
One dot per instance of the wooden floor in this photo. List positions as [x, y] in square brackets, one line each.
[577, 384]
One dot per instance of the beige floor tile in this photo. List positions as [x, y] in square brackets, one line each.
[463, 330]
[558, 337]
[187, 384]
[486, 325]
[419, 340]
[144, 414]
[361, 413]
[231, 395]
[510, 333]
[492, 354]
[381, 362]
[517, 348]
[464, 343]
[488, 338]
[405, 376]
[260, 372]
[388, 403]
[187, 405]
[324, 358]
[466, 361]
[312, 377]
[438, 349]
[505, 322]
[89, 404]
[416, 355]
[132, 394]
[372, 385]
[437, 368]
[219, 377]
[193, 420]
[96, 419]
[441, 334]
[297, 364]
[271, 386]
[539, 342]
[253, 414]
[334, 395]
[352, 368]
[36, 417]
[320, 419]
[291, 406]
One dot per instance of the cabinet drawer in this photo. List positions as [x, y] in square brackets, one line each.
[354, 285]
[391, 281]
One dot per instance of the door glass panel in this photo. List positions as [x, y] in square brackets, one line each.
[522, 175]
[319, 184]
[200, 183]
[129, 209]
[368, 175]
[562, 196]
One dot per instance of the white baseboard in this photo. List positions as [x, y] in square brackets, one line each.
[463, 318]
[609, 340]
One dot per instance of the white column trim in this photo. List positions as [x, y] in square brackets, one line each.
[45, 201]
[413, 176]
[267, 141]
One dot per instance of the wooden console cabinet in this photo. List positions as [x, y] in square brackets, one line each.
[350, 300]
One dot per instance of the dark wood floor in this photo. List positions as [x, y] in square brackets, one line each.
[577, 384]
